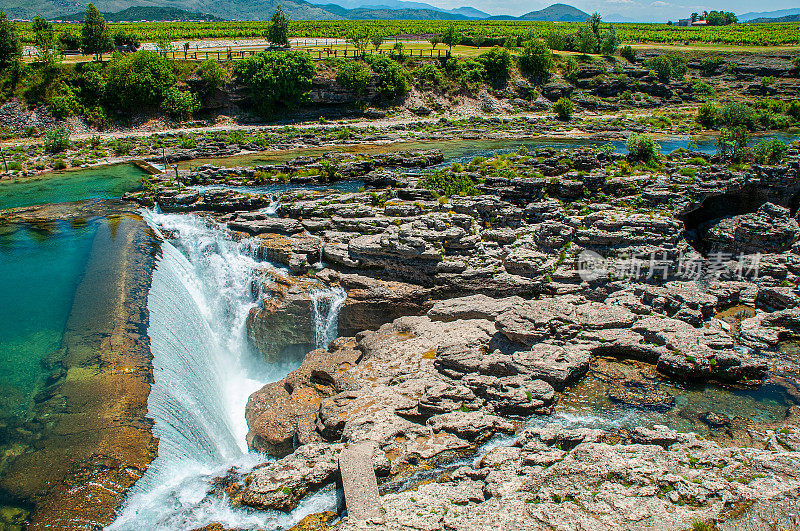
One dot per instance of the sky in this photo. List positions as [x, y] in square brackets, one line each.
[637, 10]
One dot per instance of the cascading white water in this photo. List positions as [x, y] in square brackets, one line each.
[325, 314]
[202, 290]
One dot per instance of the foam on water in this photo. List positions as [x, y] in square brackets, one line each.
[203, 288]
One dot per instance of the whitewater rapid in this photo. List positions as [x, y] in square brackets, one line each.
[203, 287]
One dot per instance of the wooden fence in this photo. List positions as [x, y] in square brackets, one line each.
[317, 55]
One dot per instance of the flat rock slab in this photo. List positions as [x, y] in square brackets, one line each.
[359, 481]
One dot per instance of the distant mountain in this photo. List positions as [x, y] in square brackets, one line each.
[764, 20]
[263, 9]
[470, 12]
[553, 13]
[152, 14]
[400, 5]
[747, 17]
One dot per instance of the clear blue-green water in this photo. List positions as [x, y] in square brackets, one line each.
[40, 268]
[106, 182]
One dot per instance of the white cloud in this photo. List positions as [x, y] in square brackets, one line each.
[621, 2]
[659, 3]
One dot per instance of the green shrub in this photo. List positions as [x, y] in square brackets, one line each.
[703, 89]
[732, 143]
[496, 62]
[212, 74]
[92, 85]
[564, 109]
[449, 184]
[276, 78]
[180, 104]
[59, 164]
[642, 148]
[122, 147]
[467, 71]
[536, 58]
[709, 65]
[707, 115]
[733, 114]
[628, 53]
[586, 40]
[429, 73]
[667, 66]
[69, 40]
[609, 41]
[570, 69]
[769, 151]
[63, 105]
[124, 38]
[392, 77]
[10, 45]
[56, 139]
[354, 76]
[556, 40]
[138, 80]
[794, 110]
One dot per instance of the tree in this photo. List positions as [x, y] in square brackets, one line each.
[10, 45]
[278, 32]
[276, 78]
[138, 80]
[435, 40]
[96, 38]
[451, 37]
[359, 40]
[585, 40]
[496, 62]
[536, 58]
[478, 38]
[180, 104]
[44, 37]
[594, 22]
[377, 40]
[355, 76]
[392, 77]
[609, 41]
[694, 17]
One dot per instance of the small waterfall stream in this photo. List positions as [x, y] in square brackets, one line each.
[203, 288]
[325, 307]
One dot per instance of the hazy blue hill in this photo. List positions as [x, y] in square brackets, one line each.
[263, 9]
[557, 13]
[147, 13]
[553, 13]
[747, 17]
[765, 20]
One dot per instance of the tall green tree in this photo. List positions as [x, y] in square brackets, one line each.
[10, 45]
[278, 32]
[44, 37]
[96, 38]
[377, 40]
[451, 37]
[594, 22]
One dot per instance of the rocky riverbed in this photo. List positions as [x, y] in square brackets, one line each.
[490, 311]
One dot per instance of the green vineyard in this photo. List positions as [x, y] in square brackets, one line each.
[776, 34]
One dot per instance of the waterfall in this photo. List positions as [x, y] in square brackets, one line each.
[325, 307]
[203, 287]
